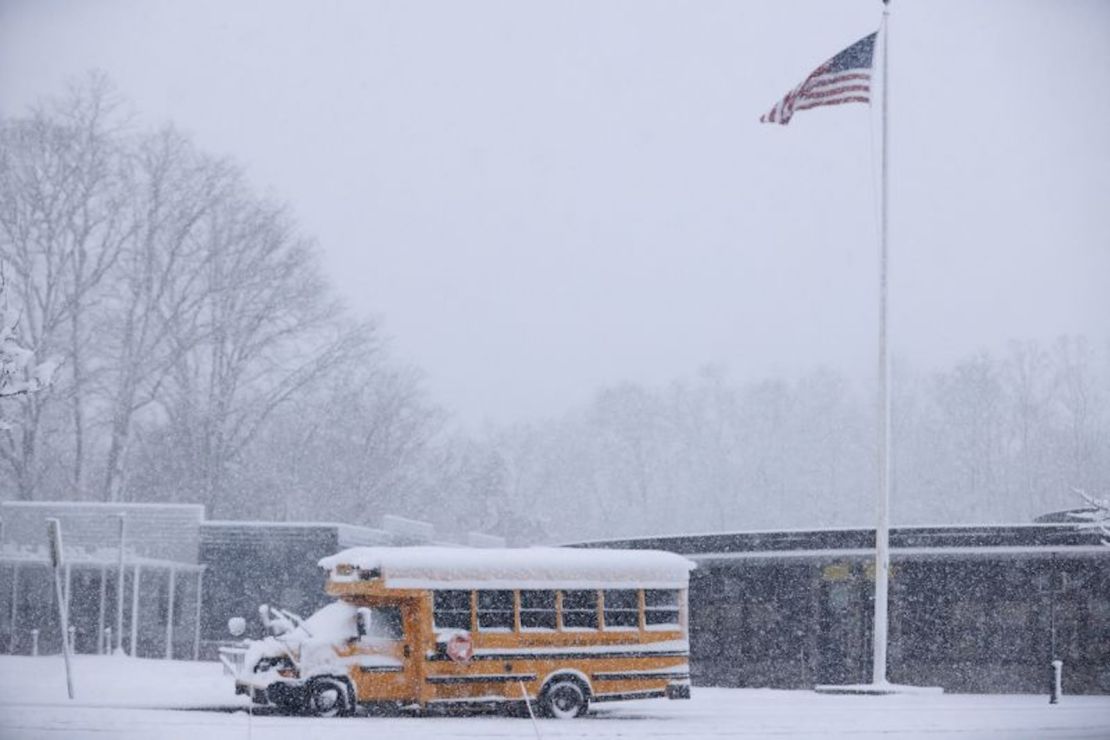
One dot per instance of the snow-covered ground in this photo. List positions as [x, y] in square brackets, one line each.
[141, 699]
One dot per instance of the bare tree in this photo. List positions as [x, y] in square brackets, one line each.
[189, 313]
[1028, 385]
[349, 449]
[160, 274]
[969, 401]
[94, 230]
[627, 421]
[263, 331]
[1084, 429]
[60, 231]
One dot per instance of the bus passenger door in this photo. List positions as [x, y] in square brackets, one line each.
[384, 659]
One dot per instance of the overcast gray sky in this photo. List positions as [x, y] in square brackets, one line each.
[539, 198]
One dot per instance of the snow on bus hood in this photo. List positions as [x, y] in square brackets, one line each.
[312, 644]
[533, 567]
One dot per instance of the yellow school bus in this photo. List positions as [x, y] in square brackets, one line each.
[555, 629]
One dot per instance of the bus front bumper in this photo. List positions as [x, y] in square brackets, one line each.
[289, 694]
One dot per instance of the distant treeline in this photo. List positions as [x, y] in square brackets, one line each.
[204, 358]
[996, 438]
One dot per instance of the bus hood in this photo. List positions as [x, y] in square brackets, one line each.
[319, 645]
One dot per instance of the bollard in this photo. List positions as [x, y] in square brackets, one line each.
[34, 642]
[72, 637]
[1057, 675]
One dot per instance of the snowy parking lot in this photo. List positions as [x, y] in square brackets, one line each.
[142, 699]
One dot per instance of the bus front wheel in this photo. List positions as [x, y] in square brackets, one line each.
[564, 700]
[327, 697]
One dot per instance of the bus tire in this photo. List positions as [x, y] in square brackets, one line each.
[328, 697]
[564, 698]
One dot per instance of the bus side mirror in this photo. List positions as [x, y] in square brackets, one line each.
[364, 620]
[236, 626]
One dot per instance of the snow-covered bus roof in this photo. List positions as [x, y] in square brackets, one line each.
[533, 567]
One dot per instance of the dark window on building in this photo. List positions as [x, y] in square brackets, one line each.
[772, 641]
[622, 609]
[661, 608]
[993, 630]
[452, 610]
[537, 610]
[580, 609]
[495, 610]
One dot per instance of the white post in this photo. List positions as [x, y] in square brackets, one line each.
[135, 611]
[68, 581]
[54, 533]
[100, 646]
[120, 584]
[882, 529]
[34, 642]
[15, 607]
[196, 633]
[169, 614]
[11, 637]
[528, 703]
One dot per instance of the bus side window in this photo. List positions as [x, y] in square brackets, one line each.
[661, 608]
[537, 610]
[495, 611]
[622, 609]
[451, 610]
[580, 610]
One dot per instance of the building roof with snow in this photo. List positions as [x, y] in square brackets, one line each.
[951, 541]
[152, 534]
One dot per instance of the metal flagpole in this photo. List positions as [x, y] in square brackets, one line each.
[882, 529]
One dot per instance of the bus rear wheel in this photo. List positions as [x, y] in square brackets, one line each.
[564, 700]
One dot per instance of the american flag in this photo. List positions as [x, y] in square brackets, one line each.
[846, 78]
